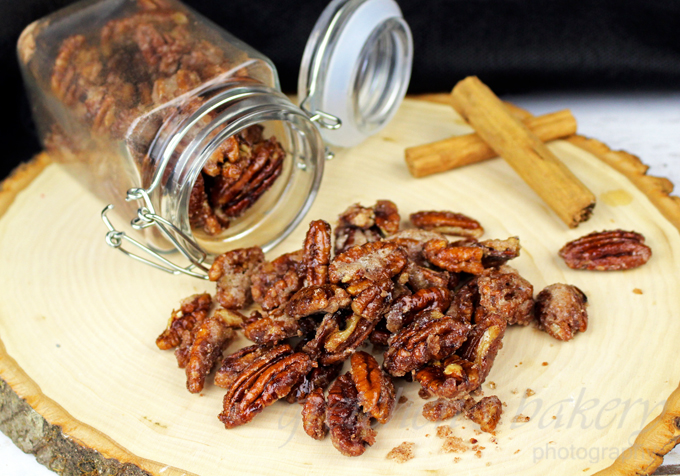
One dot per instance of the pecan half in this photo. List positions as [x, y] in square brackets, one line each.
[375, 388]
[432, 336]
[275, 326]
[402, 312]
[561, 311]
[314, 415]
[319, 378]
[498, 252]
[607, 251]
[273, 283]
[326, 298]
[232, 271]
[266, 379]
[451, 378]
[373, 299]
[504, 292]
[234, 364]
[317, 253]
[413, 240]
[210, 338]
[376, 261]
[359, 225]
[487, 412]
[455, 257]
[338, 335]
[349, 427]
[449, 223]
[420, 277]
[443, 409]
[484, 342]
[193, 310]
[386, 217]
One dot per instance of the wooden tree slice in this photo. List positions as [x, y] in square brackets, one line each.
[85, 388]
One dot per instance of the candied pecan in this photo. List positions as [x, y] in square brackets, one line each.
[375, 388]
[210, 338]
[318, 378]
[432, 336]
[380, 335]
[229, 317]
[201, 214]
[234, 364]
[331, 345]
[420, 277]
[326, 298]
[506, 293]
[561, 311]
[349, 427]
[372, 301]
[266, 379]
[376, 261]
[497, 252]
[455, 257]
[386, 217]
[451, 378]
[193, 310]
[275, 326]
[357, 216]
[607, 251]
[314, 415]
[349, 236]
[232, 272]
[443, 409]
[317, 253]
[402, 312]
[484, 342]
[273, 283]
[449, 223]
[465, 301]
[486, 412]
[413, 240]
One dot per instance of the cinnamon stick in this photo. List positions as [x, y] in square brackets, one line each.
[557, 186]
[468, 149]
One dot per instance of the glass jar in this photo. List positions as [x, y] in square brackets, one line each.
[179, 124]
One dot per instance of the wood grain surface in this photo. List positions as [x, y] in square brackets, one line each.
[78, 323]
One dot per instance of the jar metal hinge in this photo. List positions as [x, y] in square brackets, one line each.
[147, 217]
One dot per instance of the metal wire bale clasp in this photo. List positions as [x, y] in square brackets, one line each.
[147, 217]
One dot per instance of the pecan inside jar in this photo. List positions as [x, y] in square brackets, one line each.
[607, 251]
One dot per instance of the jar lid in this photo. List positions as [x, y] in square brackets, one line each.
[355, 69]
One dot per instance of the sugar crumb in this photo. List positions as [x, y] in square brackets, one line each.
[636, 291]
[473, 440]
[478, 454]
[517, 451]
[477, 432]
[492, 385]
[544, 364]
[403, 399]
[529, 393]
[444, 431]
[514, 391]
[454, 444]
[403, 452]
[521, 418]
[457, 459]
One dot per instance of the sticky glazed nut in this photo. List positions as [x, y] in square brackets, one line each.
[193, 310]
[318, 379]
[377, 261]
[403, 310]
[326, 298]
[432, 336]
[487, 412]
[359, 225]
[454, 257]
[374, 387]
[314, 415]
[273, 283]
[386, 217]
[268, 378]
[561, 311]
[448, 223]
[484, 342]
[498, 252]
[233, 364]
[232, 271]
[317, 253]
[607, 251]
[443, 409]
[349, 427]
[210, 338]
[504, 292]
[373, 299]
[451, 378]
[275, 326]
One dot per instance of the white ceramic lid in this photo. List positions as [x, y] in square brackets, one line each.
[356, 67]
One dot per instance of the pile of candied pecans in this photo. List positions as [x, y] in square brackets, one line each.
[438, 310]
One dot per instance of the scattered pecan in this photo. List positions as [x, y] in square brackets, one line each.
[317, 253]
[349, 236]
[448, 223]
[349, 427]
[275, 326]
[193, 310]
[374, 387]
[273, 283]
[341, 343]
[234, 364]
[386, 217]
[232, 271]
[314, 415]
[376, 261]
[210, 338]
[432, 336]
[266, 379]
[498, 252]
[451, 378]
[420, 277]
[402, 312]
[607, 251]
[484, 342]
[413, 240]
[504, 292]
[380, 335]
[443, 409]
[326, 298]
[486, 412]
[373, 299]
[229, 317]
[359, 225]
[561, 311]
[455, 257]
[319, 378]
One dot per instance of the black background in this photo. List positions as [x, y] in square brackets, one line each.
[512, 45]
